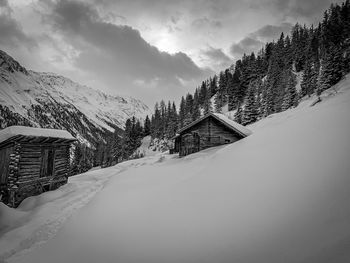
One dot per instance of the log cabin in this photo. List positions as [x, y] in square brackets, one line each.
[32, 160]
[213, 129]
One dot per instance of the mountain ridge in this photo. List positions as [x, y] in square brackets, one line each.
[49, 100]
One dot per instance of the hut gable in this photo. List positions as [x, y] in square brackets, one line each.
[211, 130]
[32, 160]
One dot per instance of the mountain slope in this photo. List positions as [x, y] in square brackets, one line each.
[279, 195]
[50, 100]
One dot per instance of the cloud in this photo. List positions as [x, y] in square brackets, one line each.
[205, 22]
[216, 58]
[301, 8]
[270, 32]
[257, 39]
[10, 31]
[118, 55]
[245, 46]
[3, 3]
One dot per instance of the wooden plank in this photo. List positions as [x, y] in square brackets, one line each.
[30, 156]
[61, 166]
[30, 167]
[58, 163]
[27, 166]
[28, 178]
[4, 163]
[29, 162]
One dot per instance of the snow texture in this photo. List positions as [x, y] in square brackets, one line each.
[279, 195]
[151, 147]
[12, 131]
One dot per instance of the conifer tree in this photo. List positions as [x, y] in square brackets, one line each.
[207, 107]
[172, 127]
[147, 126]
[202, 93]
[291, 96]
[238, 114]
[182, 112]
[195, 111]
[116, 149]
[213, 86]
[331, 68]
[250, 112]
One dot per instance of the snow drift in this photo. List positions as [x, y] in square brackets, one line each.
[279, 195]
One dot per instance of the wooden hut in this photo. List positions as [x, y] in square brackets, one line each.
[32, 160]
[211, 130]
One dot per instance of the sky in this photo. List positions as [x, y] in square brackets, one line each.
[147, 49]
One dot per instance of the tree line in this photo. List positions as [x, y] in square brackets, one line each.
[117, 147]
[260, 84]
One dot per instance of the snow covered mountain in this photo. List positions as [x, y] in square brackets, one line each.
[279, 195]
[52, 101]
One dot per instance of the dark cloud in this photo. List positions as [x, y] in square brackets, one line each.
[216, 53]
[256, 40]
[175, 18]
[216, 58]
[245, 46]
[3, 3]
[270, 32]
[10, 31]
[118, 54]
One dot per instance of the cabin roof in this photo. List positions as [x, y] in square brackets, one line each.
[23, 131]
[224, 120]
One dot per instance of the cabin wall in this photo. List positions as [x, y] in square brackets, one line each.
[211, 133]
[27, 174]
[61, 162]
[33, 158]
[5, 164]
[221, 134]
[29, 163]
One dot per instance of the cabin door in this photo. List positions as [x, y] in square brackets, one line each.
[196, 142]
[191, 143]
[47, 162]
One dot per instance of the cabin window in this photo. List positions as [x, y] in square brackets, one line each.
[47, 162]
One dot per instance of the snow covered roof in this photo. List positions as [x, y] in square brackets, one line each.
[224, 120]
[13, 131]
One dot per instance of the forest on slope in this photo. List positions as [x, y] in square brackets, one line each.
[260, 84]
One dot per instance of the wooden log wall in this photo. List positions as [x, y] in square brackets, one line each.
[21, 169]
[61, 161]
[13, 166]
[31, 162]
[4, 164]
[219, 129]
[211, 132]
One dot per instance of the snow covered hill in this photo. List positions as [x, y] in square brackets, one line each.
[49, 100]
[279, 195]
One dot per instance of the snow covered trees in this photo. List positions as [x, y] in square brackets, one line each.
[290, 98]
[165, 120]
[250, 112]
[321, 53]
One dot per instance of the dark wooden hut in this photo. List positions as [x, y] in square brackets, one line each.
[32, 160]
[211, 130]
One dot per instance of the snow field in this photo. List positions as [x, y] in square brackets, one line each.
[279, 195]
